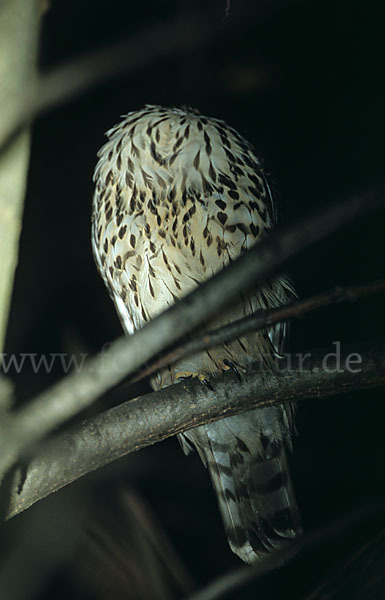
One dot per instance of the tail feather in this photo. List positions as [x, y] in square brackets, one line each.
[251, 477]
[256, 500]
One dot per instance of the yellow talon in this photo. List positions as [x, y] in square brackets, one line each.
[203, 377]
[230, 365]
[186, 375]
[224, 365]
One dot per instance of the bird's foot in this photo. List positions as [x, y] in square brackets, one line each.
[227, 365]
[223, 363]
[201, 375]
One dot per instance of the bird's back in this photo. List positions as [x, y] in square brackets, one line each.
[177, 197]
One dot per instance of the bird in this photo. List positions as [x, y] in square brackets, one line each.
[178, 196]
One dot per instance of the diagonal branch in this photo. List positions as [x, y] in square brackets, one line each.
[190, 32]
[79, 390]
[260, 320]
[231, 584]
[154, 417]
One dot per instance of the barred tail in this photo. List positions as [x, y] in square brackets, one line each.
[256, 500]
[246, 458]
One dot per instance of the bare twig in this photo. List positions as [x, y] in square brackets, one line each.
[361, 574]
[260, 320]
[127, 554]
[157, 539]
[154, 417]
[233, 582]
[143, 49]
[78, 390]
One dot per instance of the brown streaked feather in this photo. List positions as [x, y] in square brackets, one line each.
[178, 196]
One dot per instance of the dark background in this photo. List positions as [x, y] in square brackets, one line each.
[304, 82]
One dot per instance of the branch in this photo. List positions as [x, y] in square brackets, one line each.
[366, 576]
[260, 320]
[79, 390]
[19, 30]
[361, 575]
[195, 30]
[154, 417]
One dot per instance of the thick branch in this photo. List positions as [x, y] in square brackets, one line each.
[260, 320]
[160, 41]
[19, 30]
[79, 390]
[154, 417]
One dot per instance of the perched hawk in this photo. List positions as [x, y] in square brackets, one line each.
[179, 195]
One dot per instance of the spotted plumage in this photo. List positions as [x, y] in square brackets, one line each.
[178, 196]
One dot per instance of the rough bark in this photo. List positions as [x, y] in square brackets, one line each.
[154, 417]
